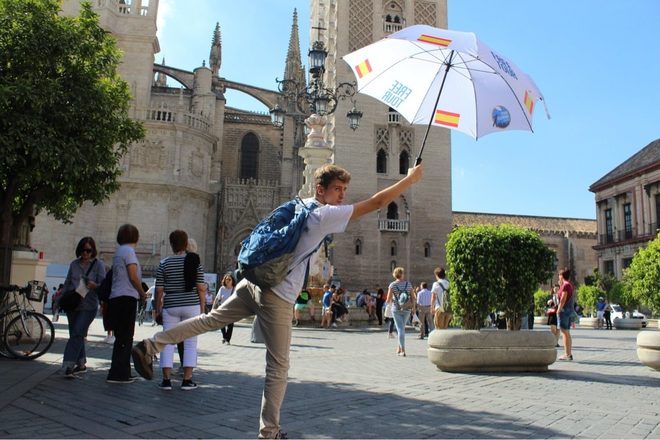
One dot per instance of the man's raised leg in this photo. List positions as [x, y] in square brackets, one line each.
[236, 307]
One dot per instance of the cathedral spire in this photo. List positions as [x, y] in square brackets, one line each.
[215, 58]
[293, 68]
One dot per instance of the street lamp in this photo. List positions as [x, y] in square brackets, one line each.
[315, 98]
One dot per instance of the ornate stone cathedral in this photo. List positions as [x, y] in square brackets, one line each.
[215, 170]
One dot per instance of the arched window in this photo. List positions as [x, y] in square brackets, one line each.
[397, 19]
[388, 18]
[392, 265]
[358, 247]
[249, 156]
[381, 161]
[427, 250]
[393, 249]
[404, 162]
[392, 211]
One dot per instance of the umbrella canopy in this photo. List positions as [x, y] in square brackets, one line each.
[447, 79]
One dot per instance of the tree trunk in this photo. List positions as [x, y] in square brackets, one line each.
[6, 227]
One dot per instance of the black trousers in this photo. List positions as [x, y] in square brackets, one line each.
[121, 314]
[379, 311]
[227, 332]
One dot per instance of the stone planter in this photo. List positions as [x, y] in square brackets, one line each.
[540, 320]
[648, 348]
[627, 324]
[586, 322]
[491, 350]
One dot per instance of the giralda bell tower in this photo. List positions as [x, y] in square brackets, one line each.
[412, 231]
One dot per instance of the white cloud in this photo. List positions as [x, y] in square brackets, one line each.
[165, 11]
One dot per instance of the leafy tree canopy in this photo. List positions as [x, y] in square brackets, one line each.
[642, 278]
[587, 297]
[64, 121]
[495, 267]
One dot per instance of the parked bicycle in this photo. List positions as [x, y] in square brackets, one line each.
[24, 333]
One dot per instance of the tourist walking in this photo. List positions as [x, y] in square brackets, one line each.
[122, 305]
[225, 291]
[88, 271]
[180, 295]
[274, 306]
[565, 311]
[424, 310]
[400, 295]
[440, 299]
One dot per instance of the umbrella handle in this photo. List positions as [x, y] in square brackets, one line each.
[418, 160]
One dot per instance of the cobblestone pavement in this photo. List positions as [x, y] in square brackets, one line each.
[344, 383]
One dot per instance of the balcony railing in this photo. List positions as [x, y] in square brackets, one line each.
[163, 113]
[393, 117]
[650, 230]
[394, 225]
[390, 28]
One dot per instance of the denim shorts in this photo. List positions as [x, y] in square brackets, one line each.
[564, 321]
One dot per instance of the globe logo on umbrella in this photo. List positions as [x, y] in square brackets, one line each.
[501, 117]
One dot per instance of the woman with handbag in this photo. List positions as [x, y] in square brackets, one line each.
[226, 289]
[401, 297]
[85, 272]
[122, 304]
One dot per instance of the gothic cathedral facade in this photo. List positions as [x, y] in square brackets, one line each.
[214, 170]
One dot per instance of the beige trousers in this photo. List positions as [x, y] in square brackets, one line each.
[441, 320]
[275, 316]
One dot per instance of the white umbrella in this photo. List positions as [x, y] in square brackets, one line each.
[448, 79]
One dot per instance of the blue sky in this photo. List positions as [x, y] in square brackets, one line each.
[596, 62]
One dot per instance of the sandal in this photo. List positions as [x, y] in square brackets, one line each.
[565, 357]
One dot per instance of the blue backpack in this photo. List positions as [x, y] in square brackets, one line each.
[267, 252]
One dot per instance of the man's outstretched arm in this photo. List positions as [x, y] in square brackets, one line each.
[387, 195]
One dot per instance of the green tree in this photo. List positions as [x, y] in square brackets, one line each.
[64, 122]
[495, 267]
[642, 278]
[541, 298]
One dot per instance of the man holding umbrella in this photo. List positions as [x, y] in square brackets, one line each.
[274, 306]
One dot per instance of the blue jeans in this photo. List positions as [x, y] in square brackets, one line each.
[400, 318]
[79, 322]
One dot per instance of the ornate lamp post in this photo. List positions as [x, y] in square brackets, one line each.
[317, 101]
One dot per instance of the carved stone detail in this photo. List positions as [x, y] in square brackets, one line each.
[360, 24]
[406, 139]
[425, 13]
[382, 138]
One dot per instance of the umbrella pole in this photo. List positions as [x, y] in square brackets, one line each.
[428, 127]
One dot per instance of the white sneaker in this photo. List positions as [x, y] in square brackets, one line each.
[110, 340]
[334, 325]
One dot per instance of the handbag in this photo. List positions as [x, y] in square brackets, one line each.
[71, 299]
[388, 311]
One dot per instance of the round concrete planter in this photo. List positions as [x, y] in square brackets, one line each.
[540, 320]
[648, 348]
[491, 350]
[589, 322]
[627, 324]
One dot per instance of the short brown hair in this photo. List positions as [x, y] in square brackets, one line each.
[325, 174]
[127, 234]
[565, 273]
[81, 244]
[178, 240]
[439, 272]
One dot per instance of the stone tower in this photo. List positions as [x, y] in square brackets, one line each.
[412, 231]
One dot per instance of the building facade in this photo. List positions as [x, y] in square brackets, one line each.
[627, 209]
[572, 239]
[215, 171]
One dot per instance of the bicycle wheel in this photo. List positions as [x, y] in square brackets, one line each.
[5, 319]
[29, 335]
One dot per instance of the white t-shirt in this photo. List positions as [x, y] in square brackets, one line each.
[438, 291]
[324, 220]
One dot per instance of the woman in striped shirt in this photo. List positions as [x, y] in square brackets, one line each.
[179, 296]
